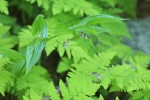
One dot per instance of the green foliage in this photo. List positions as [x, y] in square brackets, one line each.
[91, 51]
[109, 23]
[101, 97]
[3, 7]
[141, 94]
[41, 3]
[31, 95]
[52, 92]
[135, 78]
[4, 61]
[33, 47]
[75, 89]
[130, 9]
[87, 7]
[84, 7]
[64, 65]
[13, 63]
[6, 80]
[31, 50]
[62, 40]
[37, 80]
[6, 38]
[6, 77]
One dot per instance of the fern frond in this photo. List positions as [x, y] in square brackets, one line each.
[142, 60]
[41, 3]
[76, 88]
[64, 90]
[84, 7]
[4, 61]
[25, 37]
[3, 6]
[57, 42]
[77, 84]
[37, 79]
[100, 97]
[57, 37]
[101, 62]
[132, 79]
[52, 92]
[5, 80]
[3, 29]
[123, 51]
[31, 95]
[141, 94]
[76, 51]
[62, 40]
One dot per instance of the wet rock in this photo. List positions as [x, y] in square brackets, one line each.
[140, 31]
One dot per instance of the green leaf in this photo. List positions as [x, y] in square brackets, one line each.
[39, 27]
[11, 54]
[108, 24]
[97, 19]
[7, 20]
[33, 51]
[15, 60]
[7, 40]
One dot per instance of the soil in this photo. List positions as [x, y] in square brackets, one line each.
[143, 9]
